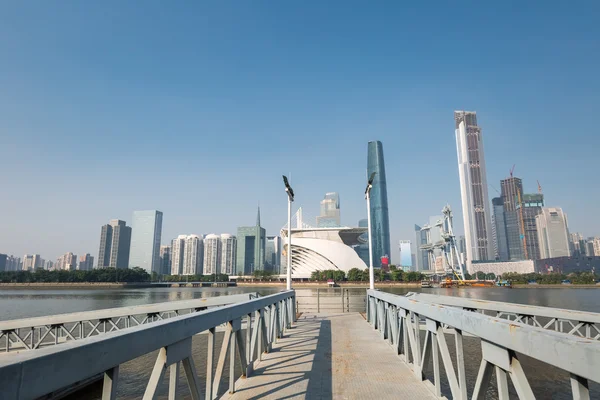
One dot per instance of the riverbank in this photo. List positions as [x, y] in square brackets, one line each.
[319, 285]
[75, 285]
[555, 286]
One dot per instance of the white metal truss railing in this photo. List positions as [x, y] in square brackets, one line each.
[573, 322]
[398, 319]
[38, 332]
[29, 375]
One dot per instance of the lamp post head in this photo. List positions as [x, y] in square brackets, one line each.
[369, 185]
[288, 188]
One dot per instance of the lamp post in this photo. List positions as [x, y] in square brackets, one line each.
[290, 193]
[368, 197]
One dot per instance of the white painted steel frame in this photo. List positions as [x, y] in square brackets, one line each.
[28, 375]
[398, 318]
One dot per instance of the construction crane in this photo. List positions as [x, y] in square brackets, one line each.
[539, 187]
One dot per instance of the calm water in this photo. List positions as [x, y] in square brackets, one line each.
[547, 382]
[34, 303]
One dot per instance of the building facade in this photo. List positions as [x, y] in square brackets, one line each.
[115, 241]
[86, 263]
[251, 241]
[145, 240]
[380, 220]
[212, 254]
[3, 262]
[362, 248]
[499, 225]
[66, 262]
[553, 233]
[330, 211]
[273, 254]
[228, 254]
[405, 253]
[165, 260]
[532, 206]
[177, 254]
[473, 187]
[193, 255]
[512, 191]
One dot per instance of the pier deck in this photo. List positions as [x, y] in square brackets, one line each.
[328, 356]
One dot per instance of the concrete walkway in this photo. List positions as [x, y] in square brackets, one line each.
[331, 356]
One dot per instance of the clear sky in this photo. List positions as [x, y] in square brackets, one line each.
[197, 108]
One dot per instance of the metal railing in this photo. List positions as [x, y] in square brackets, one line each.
[32, 374]
[399, 318]
[38, 332]
[573, 322]
[334, 299]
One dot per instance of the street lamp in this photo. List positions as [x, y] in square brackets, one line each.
[368, 197]
[290, 193]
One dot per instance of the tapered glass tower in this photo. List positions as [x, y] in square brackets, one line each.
[380, 221]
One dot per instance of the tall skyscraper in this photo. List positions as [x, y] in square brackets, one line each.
[273, 254]
[473, 187]
[512, 190]
[589, 247]
[86, 263]
[421, 258]
[212, 254]
[251, 242]
[115, 241]
[145, 240]
[380, 221]
[553, 233]
[31, 262]
[165, 260]
[228, 254]
[330, 211]
[499, 225]
[193, 255]
[532, 206]
[405, 254]
[177, 254]
[596, 242]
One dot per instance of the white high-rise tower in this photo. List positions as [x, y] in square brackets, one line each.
[473, 187]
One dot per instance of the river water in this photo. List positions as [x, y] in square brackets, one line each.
[546, 381]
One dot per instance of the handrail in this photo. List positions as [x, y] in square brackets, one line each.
[28, 375]
[514, 308]
[34, 333]
[398, 319]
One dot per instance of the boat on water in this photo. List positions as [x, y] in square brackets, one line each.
[504, 283]
[426, 284]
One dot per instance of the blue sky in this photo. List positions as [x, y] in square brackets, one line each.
[197, 108]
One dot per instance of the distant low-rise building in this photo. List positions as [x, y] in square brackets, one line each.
[86, 263]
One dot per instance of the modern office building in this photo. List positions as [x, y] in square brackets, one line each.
[251, 241]
[589, 247]
[193, 255]
[421, 258]
[228, 254]
[3, 263]
[115, 241]
[13, 263]
[145, 240]
[512, 190]
[212, 254]
[553, 233]
[165, 260]
[532, 206]
[177, 254]
[273, 254]
[32, 262]
[499, 225]
[405, 254]
[330, 211]
[86, 263]
[473, 187]
[596, 242]
[362, 248]
[577, 244]
[380, 220]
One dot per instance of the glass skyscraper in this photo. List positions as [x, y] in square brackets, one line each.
[145, 240]
[380, 221]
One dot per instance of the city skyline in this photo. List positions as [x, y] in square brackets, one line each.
[112, 113]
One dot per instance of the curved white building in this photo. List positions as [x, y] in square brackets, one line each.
[318, 249]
